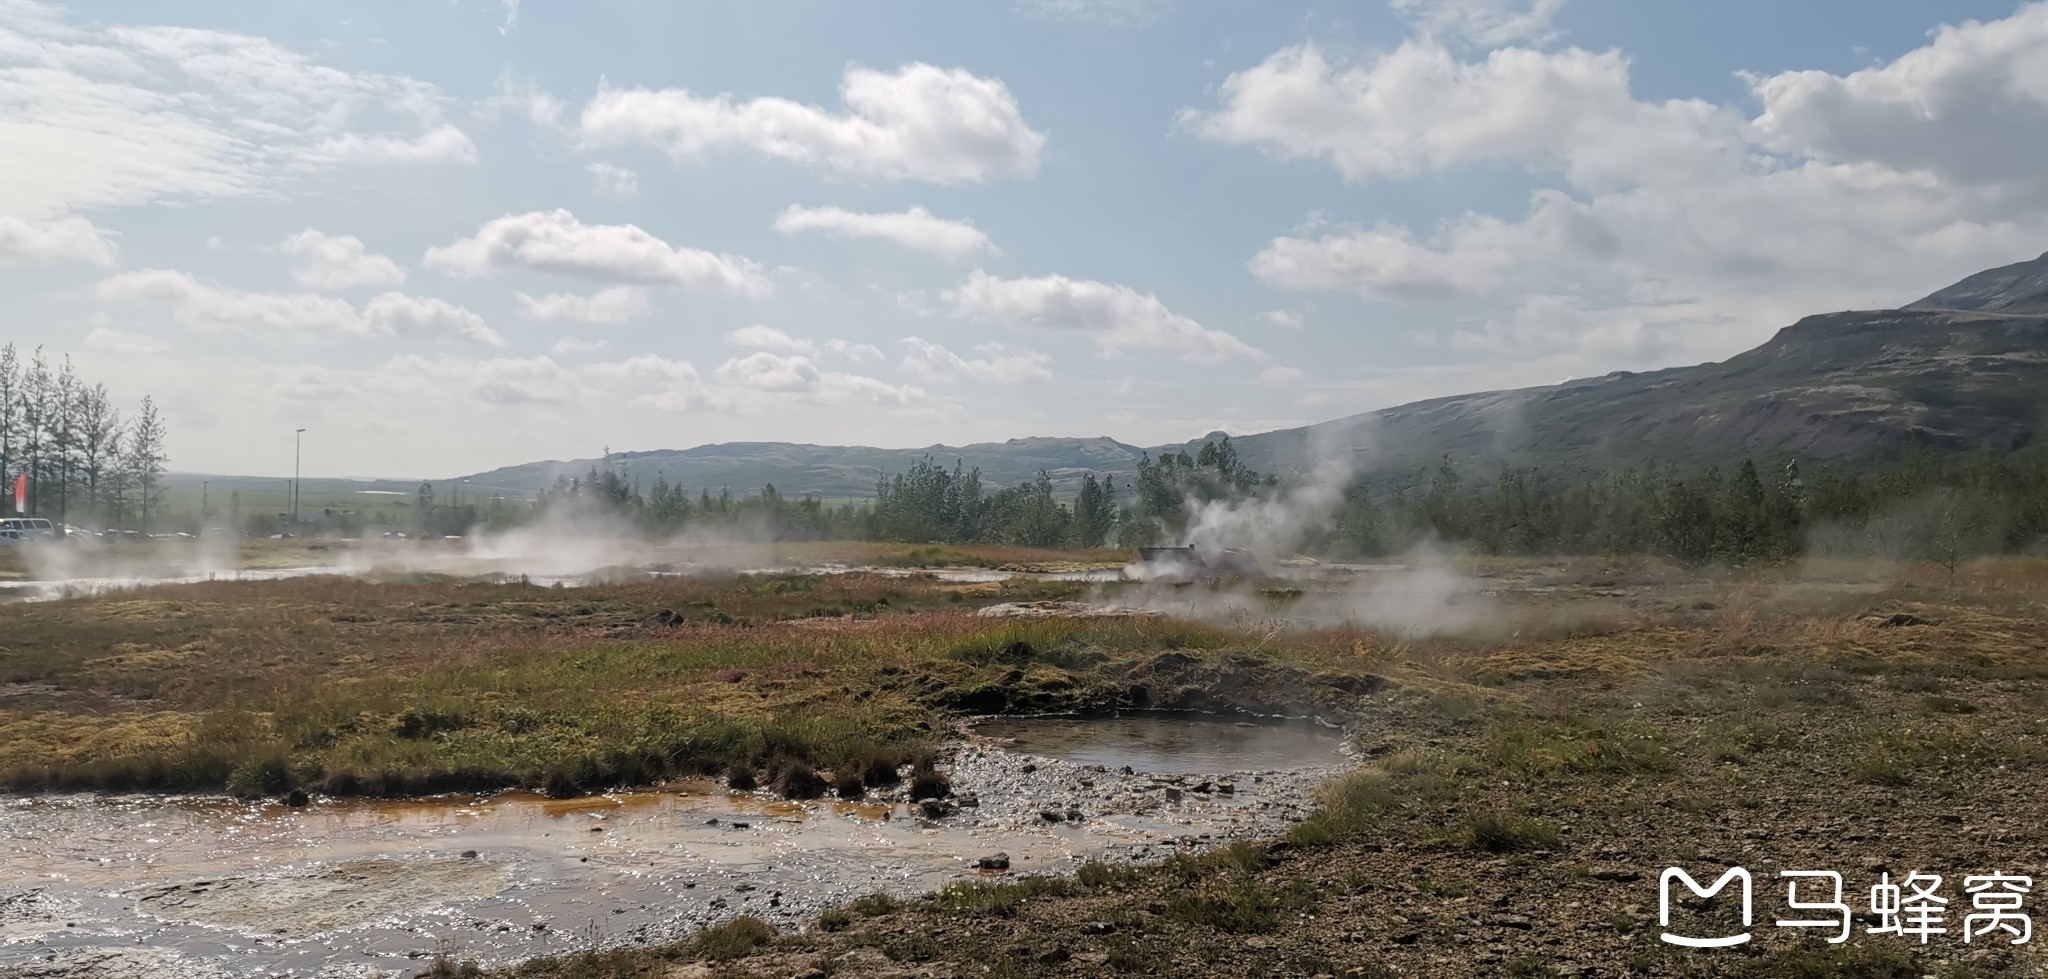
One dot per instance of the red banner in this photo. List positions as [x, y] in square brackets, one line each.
[21, 493]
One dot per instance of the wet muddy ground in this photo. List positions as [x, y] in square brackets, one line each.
[183, 886]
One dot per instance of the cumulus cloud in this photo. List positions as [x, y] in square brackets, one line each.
[555, 241]
[997, 364]
[125, 114]
[1971, 105]
[919, 122]
[614, 181]
[916, 228]
[200, 304]
[1545, 325]
[768, 338]
[1483, 22]
[618, 304]
[1845, 190]
[1470, 256]
[859, 353]
[761, 380]
[1418, 109]
[331, 262]
[53, 240]
[1115, 317]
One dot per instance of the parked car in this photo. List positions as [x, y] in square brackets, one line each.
[12, 538]
[30, 528]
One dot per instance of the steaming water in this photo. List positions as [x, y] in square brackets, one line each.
[1168, 744]
[182, 886]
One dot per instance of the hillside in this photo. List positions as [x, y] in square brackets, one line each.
[1966, 366]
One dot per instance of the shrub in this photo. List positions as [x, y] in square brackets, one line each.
[1498, 832]
[733, 939]
[930, 785]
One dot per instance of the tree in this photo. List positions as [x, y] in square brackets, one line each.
[98, 439]
[10, 419]
[145, 459]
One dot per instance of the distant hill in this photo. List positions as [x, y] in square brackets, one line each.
[1966, 366]
[835, 471]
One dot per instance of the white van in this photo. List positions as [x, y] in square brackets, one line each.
[29, 528]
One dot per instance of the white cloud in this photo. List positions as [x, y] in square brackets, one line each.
[916, 228]
[1419, 109]
[1111, 12]
[916, 123]
[761, 380]
[1546, 325]
[1285, 319]
[48, 241]
[513, 95]
[442, 144]
[554, 241]
[1282, 375]
[1971, 105]
[1473, 255]
[859, 353]
[614, 181]
[1846, 191]
[116, 341]
[1487, 23]
[394, 313]
[618, 304]
[997, 364]
[768, 338]
[1115, 317]
[511, 23]
[331, 263]
[125, 114]
[573, 346]
[301, 314]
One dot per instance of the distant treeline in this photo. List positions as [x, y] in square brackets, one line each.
[87, 463]
[1922, 506]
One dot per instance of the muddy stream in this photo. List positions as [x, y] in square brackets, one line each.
[211, 887]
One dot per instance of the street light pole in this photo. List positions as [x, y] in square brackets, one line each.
[295, 476]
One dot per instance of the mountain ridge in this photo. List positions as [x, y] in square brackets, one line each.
[1965, 366]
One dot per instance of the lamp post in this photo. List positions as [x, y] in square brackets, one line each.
[295, 475]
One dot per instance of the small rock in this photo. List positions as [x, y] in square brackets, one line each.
[1098, 928]
[743, 826]
[994, 861]
[1074, 816]
[1054, 956]
[469, 854]
[1028, 768]
[297, 799]
[1225, 788]
[1050, 816]
[1172, 794]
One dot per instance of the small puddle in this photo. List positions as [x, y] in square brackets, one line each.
[1169, 743]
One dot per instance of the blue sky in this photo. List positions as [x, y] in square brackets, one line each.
[455, 234]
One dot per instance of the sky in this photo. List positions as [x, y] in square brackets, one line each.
[448, 235]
